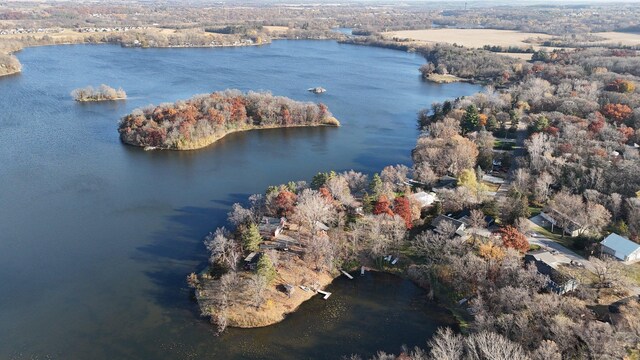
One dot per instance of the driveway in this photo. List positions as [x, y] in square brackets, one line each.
[563, 254]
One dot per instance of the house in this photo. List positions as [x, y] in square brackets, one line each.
[621, 248]
[555, 218]
[547, 264]
[423, 198]
[251, 261]
[447, 225]
[465, 217]
[446, 182]
[270, 227]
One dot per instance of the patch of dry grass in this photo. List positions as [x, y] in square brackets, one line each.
[474, 38]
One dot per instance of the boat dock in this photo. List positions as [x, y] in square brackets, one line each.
[325, 293]
[347, 274]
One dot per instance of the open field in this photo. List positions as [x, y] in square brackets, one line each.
[70, 35]
[477, 38]
[620, 38]
[474, 38]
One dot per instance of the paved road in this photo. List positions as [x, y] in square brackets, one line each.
[562, 252]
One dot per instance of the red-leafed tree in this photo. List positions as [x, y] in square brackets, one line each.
[382, 206]
[326, 194]
[617, 112]
[285, 202]
[402, 207]
[514, 239]
[598, 123]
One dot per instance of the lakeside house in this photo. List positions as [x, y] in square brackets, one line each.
[555, 218]
[446, 182]
[621, 248]
[424, 199]
[446, 225]
[547, 264]
[271, 227]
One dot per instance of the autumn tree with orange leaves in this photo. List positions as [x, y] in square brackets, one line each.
[285, 202]
[514, 239]
[402, 208]
[382, 206]
[617, 112]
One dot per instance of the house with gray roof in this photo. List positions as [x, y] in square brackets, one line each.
[621, 248]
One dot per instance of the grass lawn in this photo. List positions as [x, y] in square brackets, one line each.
[491, 187]
[566, 241]
[535, 211]
[633, 272]
[504, 145]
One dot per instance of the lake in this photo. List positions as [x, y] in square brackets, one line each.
[96, 238]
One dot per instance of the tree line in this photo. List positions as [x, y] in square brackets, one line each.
[202, 119]
[102, 93]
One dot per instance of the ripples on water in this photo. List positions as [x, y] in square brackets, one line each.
[97, 238]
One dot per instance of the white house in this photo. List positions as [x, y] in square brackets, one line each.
[424, 199]
[622, 248]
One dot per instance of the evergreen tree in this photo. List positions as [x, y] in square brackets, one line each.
[375, 186]
[266, 269]
[321, 178]
[471, 119]
[492, 123]
[251, 238]
[367, 203]
[515, 120]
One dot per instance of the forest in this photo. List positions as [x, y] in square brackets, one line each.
[203, 119]
[562, 130]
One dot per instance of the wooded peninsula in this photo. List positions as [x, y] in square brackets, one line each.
[203, 119]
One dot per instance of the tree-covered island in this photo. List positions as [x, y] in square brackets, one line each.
[203, 119]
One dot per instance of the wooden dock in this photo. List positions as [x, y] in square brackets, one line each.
[347, 274]
[325, 293]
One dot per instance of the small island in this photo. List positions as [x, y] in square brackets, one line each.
[102, 93]
[204, 119]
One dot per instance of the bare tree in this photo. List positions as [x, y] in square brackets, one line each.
[358, 182]
[423, 173]
[395, 175]
[313, 208]
[222, 248]
[339, 187]
[492, 346]
[606, 269]
[539, 147]
[257, 286]
[446, 345]
[548, 350]
[541, 187]
[239, 215]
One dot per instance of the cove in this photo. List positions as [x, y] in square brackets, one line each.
[96, 237]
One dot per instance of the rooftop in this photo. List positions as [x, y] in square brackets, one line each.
[622, 246]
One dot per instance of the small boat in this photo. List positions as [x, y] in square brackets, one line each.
[317, 90]
[149, 148]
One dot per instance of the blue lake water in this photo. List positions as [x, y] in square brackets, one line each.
[96, 238]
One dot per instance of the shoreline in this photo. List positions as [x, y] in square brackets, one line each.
[11, 73]
[204, 142]
[100, 100]
[268, 317]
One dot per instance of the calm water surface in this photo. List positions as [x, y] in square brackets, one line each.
[96, 238]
